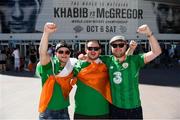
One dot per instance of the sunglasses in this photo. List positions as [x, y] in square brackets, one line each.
[64, 52]
[121, 45]
[93, 48]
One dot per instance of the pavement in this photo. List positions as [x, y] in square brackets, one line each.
[159, 89]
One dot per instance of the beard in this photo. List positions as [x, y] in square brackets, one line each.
[119, 55]
[92, 58]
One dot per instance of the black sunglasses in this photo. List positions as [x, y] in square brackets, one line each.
[121, 45]
[67, 52]
[93, 48]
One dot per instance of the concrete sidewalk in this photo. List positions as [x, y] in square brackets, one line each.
[19, 97]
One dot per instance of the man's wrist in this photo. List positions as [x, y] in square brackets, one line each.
[46, 34]
[149, 35]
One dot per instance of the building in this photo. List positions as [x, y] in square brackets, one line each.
[80, 20]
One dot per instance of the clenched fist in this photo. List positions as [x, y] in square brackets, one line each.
[144, 29]
[133, 44]
[50, 27]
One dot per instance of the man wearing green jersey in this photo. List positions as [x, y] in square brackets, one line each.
[124, 75]
[54, 99]
[90, 101]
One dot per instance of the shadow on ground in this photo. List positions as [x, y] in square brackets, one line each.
[152, 76]
[19, 74]
[161, 76]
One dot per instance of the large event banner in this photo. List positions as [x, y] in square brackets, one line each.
[102, 19]
[99, 19]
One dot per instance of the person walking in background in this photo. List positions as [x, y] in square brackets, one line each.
[16, 56]
[32, 60]
[3, 59]
[124, 75]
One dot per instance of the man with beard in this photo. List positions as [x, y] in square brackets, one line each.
[93, 87]
[124, 75]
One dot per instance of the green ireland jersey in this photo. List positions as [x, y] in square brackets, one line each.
[124, 79]
[57, 101]
[88, 101]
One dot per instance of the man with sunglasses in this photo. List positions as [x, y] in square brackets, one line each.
[124, 75]
[54, 100]
[93, 87]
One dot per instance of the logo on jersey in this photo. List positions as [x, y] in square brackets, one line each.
[125, 65]
[111, 67]
[117, 79]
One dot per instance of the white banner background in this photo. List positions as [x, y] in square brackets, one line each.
[93, 27]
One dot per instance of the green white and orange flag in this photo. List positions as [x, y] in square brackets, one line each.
[96, 76]
[66, 84]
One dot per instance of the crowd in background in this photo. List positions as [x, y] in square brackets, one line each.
[169, 58]
[12, 60]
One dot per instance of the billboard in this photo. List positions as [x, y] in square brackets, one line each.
[85, 19]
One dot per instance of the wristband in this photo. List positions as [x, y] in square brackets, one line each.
[150, 35]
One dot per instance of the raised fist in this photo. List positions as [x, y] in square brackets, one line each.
[50, 27]
[133, 44]
[144, 29]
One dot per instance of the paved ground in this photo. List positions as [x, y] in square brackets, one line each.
[160, 93]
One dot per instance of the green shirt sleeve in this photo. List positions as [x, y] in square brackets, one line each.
[38, 70]
[44, 71]
[77, 68]
[105, 58]
[139, 59]
[42, 68]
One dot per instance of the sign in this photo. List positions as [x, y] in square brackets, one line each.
[102, 19]
[98, 19]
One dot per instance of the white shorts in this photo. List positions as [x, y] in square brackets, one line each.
[16, 63]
